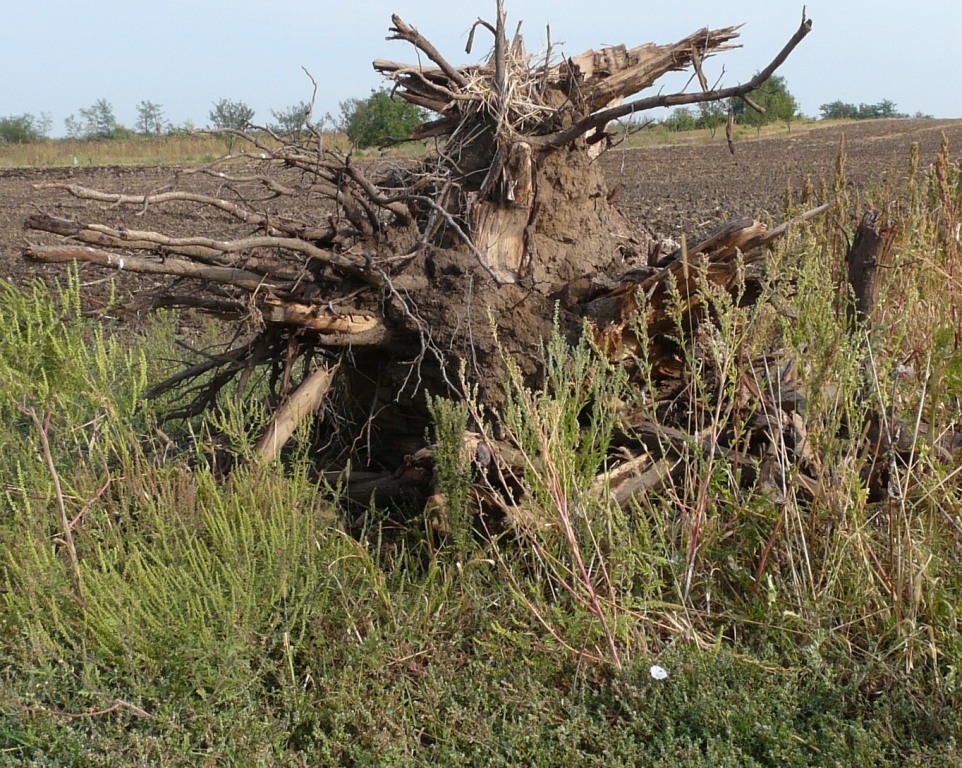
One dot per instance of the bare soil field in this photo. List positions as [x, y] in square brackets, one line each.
[672, 190]
[668, 190]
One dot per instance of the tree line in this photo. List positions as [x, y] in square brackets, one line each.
[778, 105]
[382, 119]
[98, 121]
[375, 120]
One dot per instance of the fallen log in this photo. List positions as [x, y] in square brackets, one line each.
[410, 272]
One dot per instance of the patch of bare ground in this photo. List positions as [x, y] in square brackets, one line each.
[675, 190]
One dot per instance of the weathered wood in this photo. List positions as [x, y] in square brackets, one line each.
[320, 318]
[434, 265]
[305, 401]
[633, 478]
[204, 249]
[499, 225]
[583, 93]
[604, 75]
[604, 116]
[60, 254]
[404, 31]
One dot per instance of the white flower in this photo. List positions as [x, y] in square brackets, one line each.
[658, 672]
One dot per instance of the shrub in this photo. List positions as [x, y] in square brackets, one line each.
[23, 129]
[233, 115]
[774, 97]
[379, 119]
[292, 120]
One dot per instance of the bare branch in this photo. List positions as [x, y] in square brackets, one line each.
[196, 247]
[306, 400]
[54, 254]
[240, 212]
[605, 116]
[403, 31]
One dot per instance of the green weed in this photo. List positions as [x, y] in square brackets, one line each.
[156, 612]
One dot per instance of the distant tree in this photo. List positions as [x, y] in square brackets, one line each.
[774, 97]
[378, 119]
[95, 122]
[24, 129]
[184, 129]
[234, 115]
[44, 123]
[838, 110]
[681, 119]
[884, 109]
[150, 118]
[231, 115]
[712, 115]
[292, 120]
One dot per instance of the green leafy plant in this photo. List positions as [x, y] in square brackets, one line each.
[230, 116]
[24, 129]
[379, 119]
[293, 119]
[774, 98]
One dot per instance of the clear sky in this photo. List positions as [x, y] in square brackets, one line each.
[58, 56]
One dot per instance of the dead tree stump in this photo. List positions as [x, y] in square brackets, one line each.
[402, 276]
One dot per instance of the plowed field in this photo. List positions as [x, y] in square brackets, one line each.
[670, 190]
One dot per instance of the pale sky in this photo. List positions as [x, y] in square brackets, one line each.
[58, 56]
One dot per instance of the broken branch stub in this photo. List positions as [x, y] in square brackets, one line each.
[870, 251]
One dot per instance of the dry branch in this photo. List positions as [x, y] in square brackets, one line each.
[240, 212]
[403, 31]
[304, 402]
[633, 478]
[719, 258]
[605, 116]
[617, 72]
[59, 254]
[271, 308]
[321, 319]
[205, 249]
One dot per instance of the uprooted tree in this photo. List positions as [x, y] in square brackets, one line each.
[406, 278]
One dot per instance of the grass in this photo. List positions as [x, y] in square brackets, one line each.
[143, 151]
[177, 150]
[155, 613]
[657, 135]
